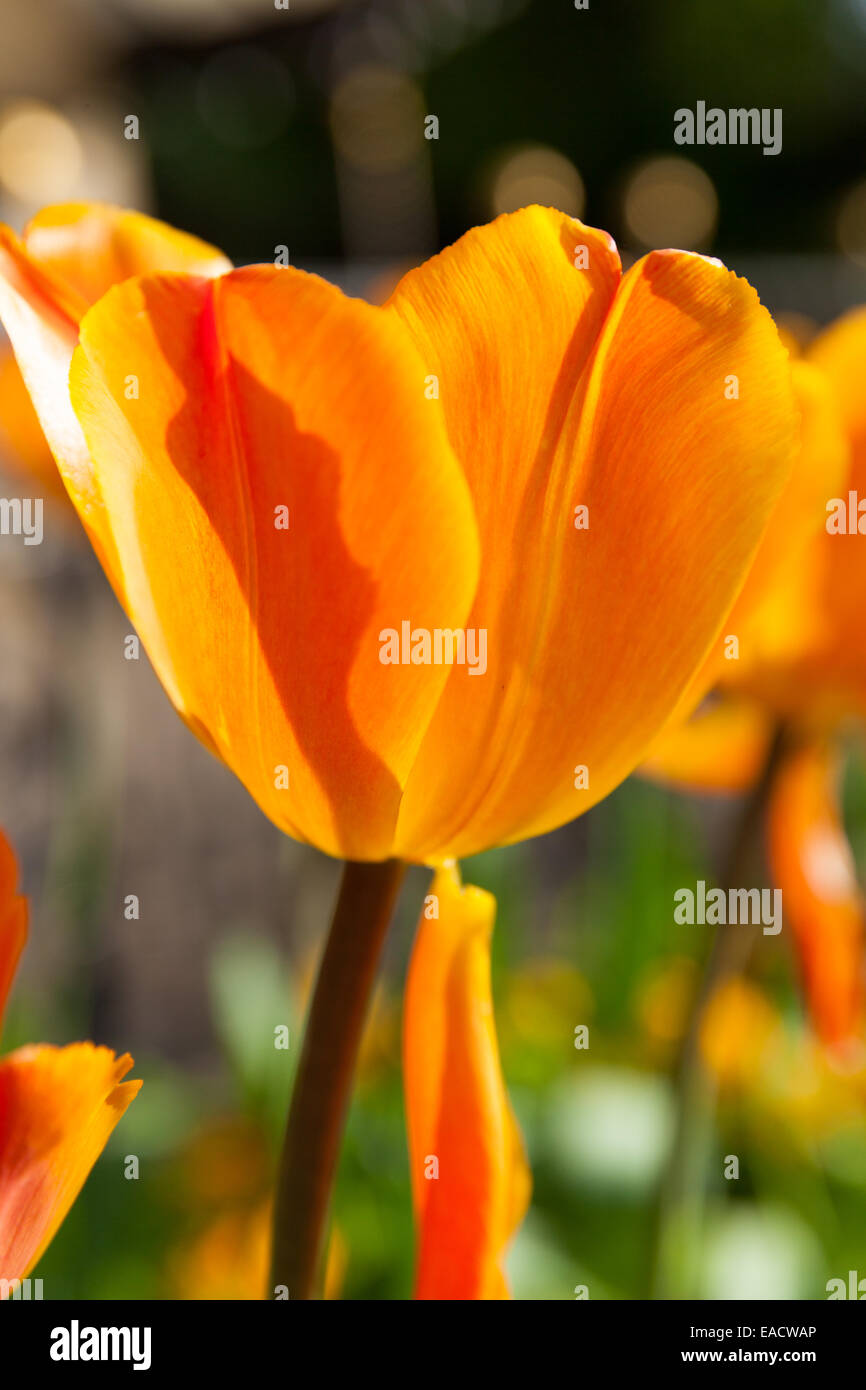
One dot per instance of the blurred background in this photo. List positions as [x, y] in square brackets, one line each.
[261, 127]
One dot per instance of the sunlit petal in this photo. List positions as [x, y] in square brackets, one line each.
[625, 406]
[271, 513]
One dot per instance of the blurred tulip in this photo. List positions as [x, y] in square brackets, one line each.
[228, 1260]
[723, 747]
[470, 1179]
[812, 860]
[802, 663]
[23, 447]
[737, 1028]
[58, 1105]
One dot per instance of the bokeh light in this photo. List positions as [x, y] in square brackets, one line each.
[536, 174]
[670, 202]
[40, 153]
[377, 118]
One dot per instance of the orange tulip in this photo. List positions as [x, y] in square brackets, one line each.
[58, 1105]
[270, 489]
[428, 576]
[812, 860]
[802, 662]
[470, 1180]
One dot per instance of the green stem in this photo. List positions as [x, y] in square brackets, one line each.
[323, 1082]
[681, 1205]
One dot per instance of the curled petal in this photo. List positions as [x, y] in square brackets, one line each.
[57, 1108]
[67, 258]
[470, 1180]
[89, 247]
[662, 405]
[812, 864]
[268, 515]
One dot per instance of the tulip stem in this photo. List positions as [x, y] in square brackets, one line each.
[680, 1214]
[323, 1081]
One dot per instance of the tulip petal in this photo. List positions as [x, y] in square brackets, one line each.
[269, 639]
[13, 921]
[812, 864]
[457, 1109]
[722, 748]
[91, 246]
[67, 258]
[592, 634]
[57, 1108]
